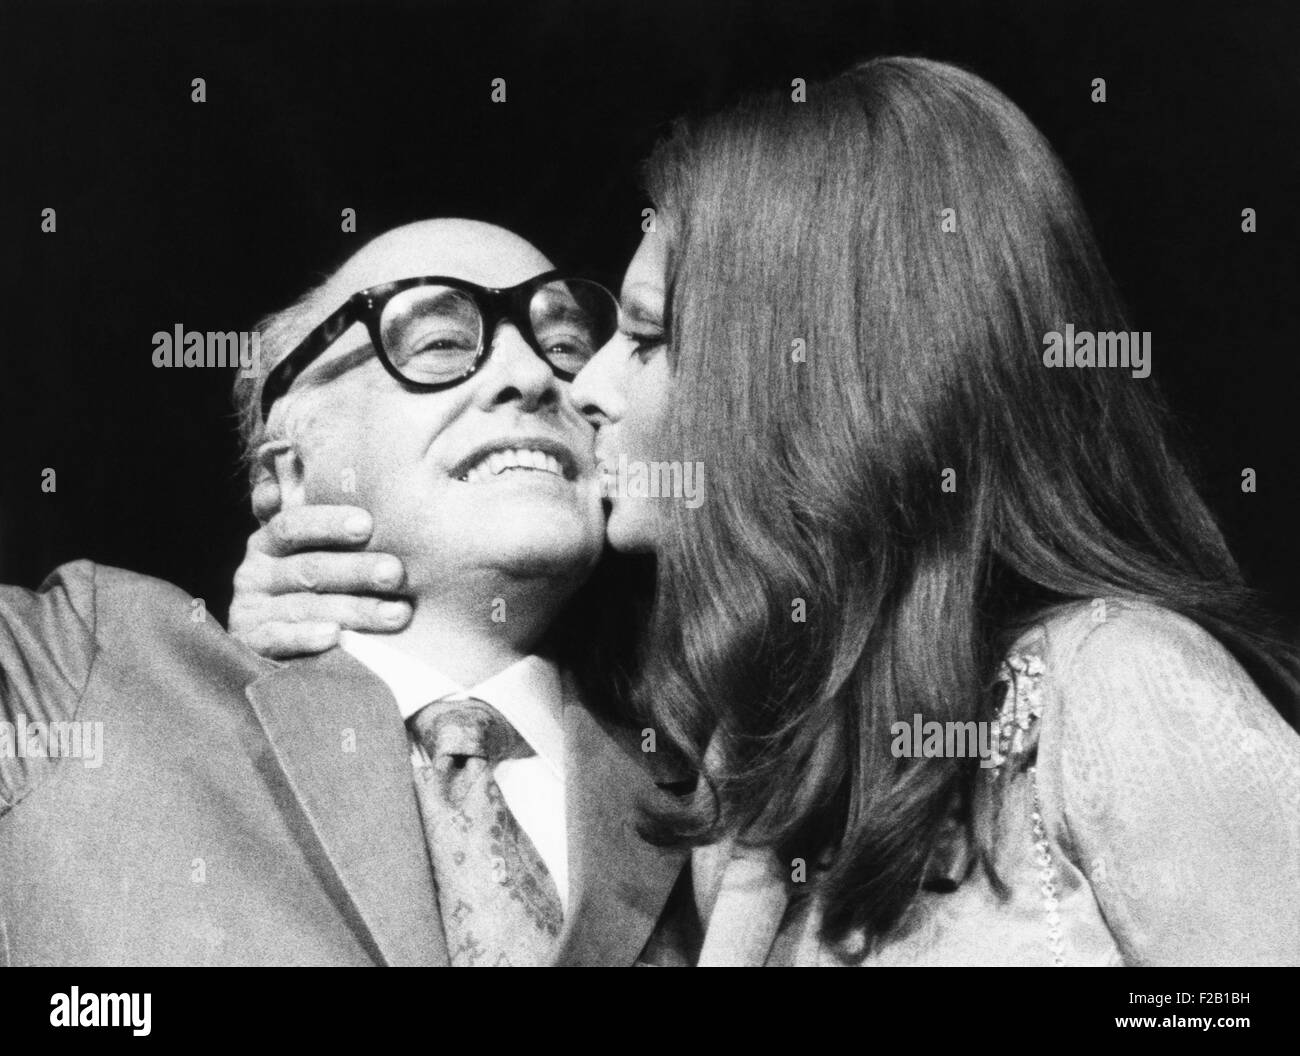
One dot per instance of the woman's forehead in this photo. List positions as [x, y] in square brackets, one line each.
[646, 278]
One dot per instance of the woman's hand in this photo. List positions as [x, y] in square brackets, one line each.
[299, 585]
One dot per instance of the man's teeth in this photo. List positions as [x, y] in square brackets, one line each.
[499, 462]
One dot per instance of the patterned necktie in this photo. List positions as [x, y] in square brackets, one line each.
[498, 901]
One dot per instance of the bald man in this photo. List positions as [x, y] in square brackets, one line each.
[438, 795]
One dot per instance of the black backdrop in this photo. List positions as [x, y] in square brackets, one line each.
[209, 215]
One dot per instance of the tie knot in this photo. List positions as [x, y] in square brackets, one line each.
[467, 728]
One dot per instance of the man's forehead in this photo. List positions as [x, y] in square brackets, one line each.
[477, 252]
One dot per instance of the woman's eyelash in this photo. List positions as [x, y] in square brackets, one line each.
[643, 343]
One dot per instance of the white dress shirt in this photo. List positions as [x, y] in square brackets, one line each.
[530, 694]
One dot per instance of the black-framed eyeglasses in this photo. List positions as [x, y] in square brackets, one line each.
[433, 332]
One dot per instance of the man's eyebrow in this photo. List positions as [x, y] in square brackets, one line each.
[566, 311]
[438, 297]
[334, 363]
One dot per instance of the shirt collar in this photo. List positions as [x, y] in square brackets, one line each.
[529, 693]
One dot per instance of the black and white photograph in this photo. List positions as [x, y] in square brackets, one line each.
[675, 483]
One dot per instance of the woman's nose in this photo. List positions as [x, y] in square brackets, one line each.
[594, 390]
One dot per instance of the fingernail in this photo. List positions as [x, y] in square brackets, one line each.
[357, 524]
[393, 612]
[388, 573]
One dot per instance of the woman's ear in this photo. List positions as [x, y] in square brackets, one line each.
[277, 479]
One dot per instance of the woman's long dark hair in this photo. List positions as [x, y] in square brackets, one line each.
[841, 347]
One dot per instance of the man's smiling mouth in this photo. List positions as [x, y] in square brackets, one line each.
[512, 460]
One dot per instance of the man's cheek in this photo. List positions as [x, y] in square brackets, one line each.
[335, 475]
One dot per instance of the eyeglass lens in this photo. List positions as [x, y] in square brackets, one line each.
[433, 334]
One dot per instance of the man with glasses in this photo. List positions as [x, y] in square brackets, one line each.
[439, 795]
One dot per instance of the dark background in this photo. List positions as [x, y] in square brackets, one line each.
[212, 214]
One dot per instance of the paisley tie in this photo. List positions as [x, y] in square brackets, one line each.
[499, 904]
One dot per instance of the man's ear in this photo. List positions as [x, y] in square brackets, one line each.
[278, 469]
[266, 493]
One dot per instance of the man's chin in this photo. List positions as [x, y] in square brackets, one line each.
[535, 542]
[538, 558]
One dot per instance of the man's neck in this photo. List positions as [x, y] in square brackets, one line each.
[469, 632]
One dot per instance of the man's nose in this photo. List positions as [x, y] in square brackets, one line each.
[515, 373]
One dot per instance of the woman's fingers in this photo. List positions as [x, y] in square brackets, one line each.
[312, 527]
[320, 571]
[294, 551]
[296, 590]
[283, 641]
[345, 610]
[259, 620]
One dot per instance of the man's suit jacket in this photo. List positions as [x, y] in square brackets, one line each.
[249, 812]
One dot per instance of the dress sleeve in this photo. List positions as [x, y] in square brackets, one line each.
[47, 648]
[1179, 787]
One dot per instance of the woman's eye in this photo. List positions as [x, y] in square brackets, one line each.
[645, 345]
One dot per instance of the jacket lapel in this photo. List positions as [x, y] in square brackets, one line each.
[361, 804]
[618, 883]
